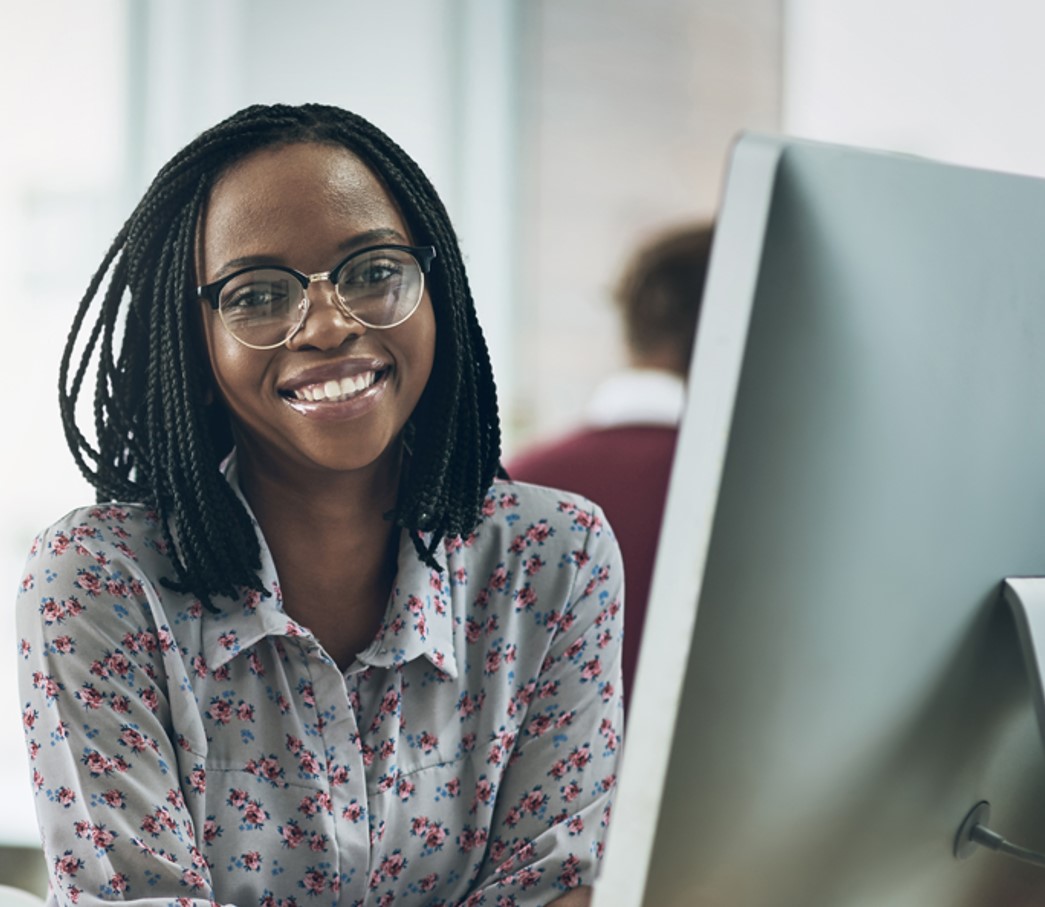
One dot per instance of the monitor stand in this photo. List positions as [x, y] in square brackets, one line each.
[1025, 596]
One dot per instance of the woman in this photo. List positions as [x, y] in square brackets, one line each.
[317, 655]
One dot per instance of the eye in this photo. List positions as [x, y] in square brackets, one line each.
[256, 295]
[370, 274]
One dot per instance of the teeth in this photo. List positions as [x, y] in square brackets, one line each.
[336, 390]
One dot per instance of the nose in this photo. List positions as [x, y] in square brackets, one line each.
[326, 325]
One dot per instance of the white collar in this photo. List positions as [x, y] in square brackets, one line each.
[637, 396]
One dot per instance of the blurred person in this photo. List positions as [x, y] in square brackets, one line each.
[621, 455]
[294, 654]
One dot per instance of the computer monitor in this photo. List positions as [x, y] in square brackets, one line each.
[830, 678]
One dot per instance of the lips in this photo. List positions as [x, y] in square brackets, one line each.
[332, 385]
[334, 390]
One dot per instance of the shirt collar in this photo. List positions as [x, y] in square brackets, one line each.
[637, 396]
[418, 621]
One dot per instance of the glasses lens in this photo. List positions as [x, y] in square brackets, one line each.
[381, 287]
[261, 307]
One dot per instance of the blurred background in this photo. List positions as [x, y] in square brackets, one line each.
[560, 133]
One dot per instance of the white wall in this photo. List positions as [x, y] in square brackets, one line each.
[955, 80]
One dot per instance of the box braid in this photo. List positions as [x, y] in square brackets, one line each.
[160, 443]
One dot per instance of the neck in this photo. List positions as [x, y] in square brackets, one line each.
[333, 548]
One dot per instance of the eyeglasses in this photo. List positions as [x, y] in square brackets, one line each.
[380, 287]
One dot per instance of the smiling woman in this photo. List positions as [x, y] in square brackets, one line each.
[308, 646]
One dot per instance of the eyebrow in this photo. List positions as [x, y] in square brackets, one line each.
[357, 241]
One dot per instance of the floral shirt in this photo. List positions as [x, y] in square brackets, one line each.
[181, 757]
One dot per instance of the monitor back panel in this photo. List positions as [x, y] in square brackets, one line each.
[829, 680]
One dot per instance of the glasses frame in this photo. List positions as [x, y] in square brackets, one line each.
[211, 292]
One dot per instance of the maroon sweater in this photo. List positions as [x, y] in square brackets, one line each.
[624, 469]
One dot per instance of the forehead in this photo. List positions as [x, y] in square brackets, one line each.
[279, 200]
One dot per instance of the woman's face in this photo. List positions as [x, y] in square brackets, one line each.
[308, 206]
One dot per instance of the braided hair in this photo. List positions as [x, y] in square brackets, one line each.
[158, 444]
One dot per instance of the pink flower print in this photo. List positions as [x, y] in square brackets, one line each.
[499, 578]
[315, 882]
[149, 699]
[472, 629]
[118, 882]
[65, 796]
[453, 787]
[435, 836]
[559, 769]
[414, 605]
[292, 834]
[387, 749]
[429, 882]
[133, 739]
[405, 789]
[575, 648]
[591, 669]
[52, 611]
[102, 838]
[237, 797]
[469, 839]
[50, 687]
[528, 877]
[493, 662]
[308, 763]
[539, 532]
[63, 644]
[252, 861]
[193, 879]
[67, 864]
[338, 776]
[245, 711]
[393, 865]
[120, 704]
[460, 576]
[255, 665]
[571, 792]
[254, 814]
[220, 712]
[565, 719]
[580, 557]
[29, 717]
[211, 831]
[353, 812]
[483, 790]
[89, 582]
[549, 690]
[317, 842]
[307, 693]
[575, 825]
[25, 648]
[228, 640]
[116, 588]
[489, 507]
[512, 817]
[428, 741]
[538, 725]
[390, 702]
[114, 799]
[525, 598]
[534, 801]
[580, 756]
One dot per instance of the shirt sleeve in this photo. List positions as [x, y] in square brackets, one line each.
[554, 802]
[94, 673]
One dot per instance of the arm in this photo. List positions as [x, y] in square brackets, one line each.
[94, 684]
[553, 803]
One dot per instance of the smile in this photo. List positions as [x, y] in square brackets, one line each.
[333, 391]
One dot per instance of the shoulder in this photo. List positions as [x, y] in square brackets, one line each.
[127, 530]
[525, 524]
